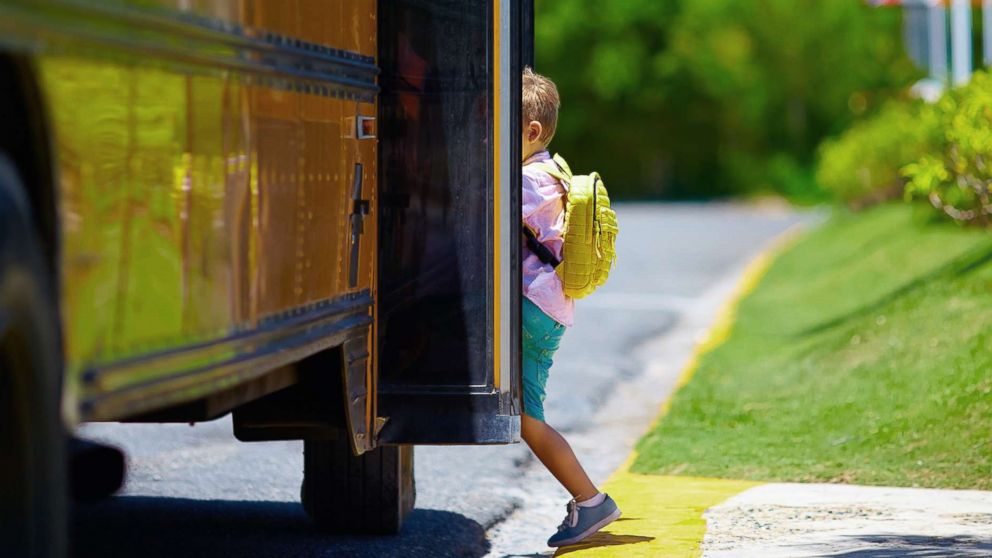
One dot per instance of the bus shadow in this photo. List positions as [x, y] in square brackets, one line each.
[160, 527]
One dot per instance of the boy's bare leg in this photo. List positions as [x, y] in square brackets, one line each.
[554, 452]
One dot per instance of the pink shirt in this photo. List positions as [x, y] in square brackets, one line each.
[544, 212]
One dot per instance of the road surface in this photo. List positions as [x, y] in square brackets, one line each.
[196, 491]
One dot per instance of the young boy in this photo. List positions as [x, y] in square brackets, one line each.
[546, 314]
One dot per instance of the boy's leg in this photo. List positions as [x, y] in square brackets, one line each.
[554, 452]
[541, 336]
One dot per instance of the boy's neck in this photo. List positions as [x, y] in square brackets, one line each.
[528, 153]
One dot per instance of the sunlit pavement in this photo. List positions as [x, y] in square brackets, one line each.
[664, 514]
[678, 516]
[721, 518]
[195, 491]
[676, 267]
[805, 520]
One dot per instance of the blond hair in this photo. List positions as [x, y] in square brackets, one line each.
[540, 102]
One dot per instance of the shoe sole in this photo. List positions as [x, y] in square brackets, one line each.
[596, 527]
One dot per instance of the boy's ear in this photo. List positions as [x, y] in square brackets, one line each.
[534, 130]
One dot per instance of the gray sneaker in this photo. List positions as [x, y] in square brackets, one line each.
[582, 522]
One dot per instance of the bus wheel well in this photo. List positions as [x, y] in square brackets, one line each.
[25, 140]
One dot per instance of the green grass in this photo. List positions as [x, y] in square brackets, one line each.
[863, 356]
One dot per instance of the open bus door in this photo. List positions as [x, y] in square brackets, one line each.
[448, 368]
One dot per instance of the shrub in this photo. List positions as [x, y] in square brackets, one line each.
[956, 177]
[863, 166]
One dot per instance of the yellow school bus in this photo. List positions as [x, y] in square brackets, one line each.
[301, 212]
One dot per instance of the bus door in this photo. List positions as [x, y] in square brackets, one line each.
[449, 221]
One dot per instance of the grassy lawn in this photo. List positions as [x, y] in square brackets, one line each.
[864, 356]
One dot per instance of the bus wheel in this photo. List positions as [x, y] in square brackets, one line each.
[368, 494]
[32, 471]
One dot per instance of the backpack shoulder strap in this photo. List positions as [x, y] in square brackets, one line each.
[563, 165]
[542, 252]
[557, 168]
[552, 170]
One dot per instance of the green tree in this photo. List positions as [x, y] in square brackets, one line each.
[691, 98]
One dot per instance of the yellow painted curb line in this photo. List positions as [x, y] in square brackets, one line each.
[662, 514]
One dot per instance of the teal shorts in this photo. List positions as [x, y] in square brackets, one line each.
[540, 336]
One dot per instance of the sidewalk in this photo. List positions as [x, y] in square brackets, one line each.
[674, 516]
[787, 520]
[716, 518]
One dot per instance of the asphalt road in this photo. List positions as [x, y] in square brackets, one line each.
[196, 491]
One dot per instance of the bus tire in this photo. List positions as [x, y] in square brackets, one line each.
[33, 482]
[369, 494]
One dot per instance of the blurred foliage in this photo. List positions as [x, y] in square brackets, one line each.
[956, 177]
[694, 98]
[864, 165]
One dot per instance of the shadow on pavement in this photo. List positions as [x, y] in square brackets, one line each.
[154, 527]
[907, 546]
[600, 540]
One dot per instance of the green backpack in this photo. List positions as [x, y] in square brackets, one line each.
[590, 232]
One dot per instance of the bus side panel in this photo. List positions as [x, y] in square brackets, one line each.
[201, 205]
[127, 178]
[280, 199]
[348, 25]
[91, 200]
[325, 171]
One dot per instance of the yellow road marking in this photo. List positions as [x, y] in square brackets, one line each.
[662, 514]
